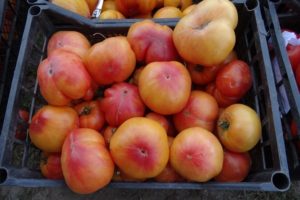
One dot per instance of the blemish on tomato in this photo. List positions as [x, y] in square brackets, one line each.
[38, 124]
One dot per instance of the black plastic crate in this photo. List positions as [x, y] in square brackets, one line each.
[12, 20]
[275, 20]
[19, 160]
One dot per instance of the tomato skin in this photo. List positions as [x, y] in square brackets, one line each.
[90, 115]
[121, 102]
[234, 79]
[196, 154]
[131, 8]
[161, 119]
[200, 111]
[236, 167]
[136, 75]
[169, 175]
[91, 92]
[165, 87]
[239, 128]
[24, 115]
[140, 148]
[51, 166]
[223, 101]
[86, 162]
[294, 56]
[202, 75]
[50, 125]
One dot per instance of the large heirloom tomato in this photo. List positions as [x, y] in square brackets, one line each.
[140, 148]
[165, 87]
[110, 61]
[63, 77]
[196, 154]
[86, 163]
[50, 125]
[121, 102]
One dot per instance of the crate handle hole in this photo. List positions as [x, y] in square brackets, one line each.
[32, 1]
[3, 175]
[281, 181]
[251, 4]
[35, 10]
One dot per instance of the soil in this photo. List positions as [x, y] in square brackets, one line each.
[16, 193]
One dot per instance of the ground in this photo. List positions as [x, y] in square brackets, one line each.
[16, 193]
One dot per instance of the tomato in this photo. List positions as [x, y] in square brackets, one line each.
[239, 128]
[165, 87]
[169, 174]
[210, 88]
[86, 163]
[50, 125]
[63, 77]
[108, 133]
[196, 154]
[203, 75]
[51, 166]
[23, 117]
[234, 79]
[140, 148]
[294, 56]
[90, 115]
[121, 102]
[236, 167]
[89, 95]
[110, 61]
[131, 8]
[222, 100]
[200, 111]
[136, 75]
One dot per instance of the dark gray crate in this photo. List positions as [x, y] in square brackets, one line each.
[286, 15]
[19, 160]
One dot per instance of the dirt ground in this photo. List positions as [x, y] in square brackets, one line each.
[16, 193]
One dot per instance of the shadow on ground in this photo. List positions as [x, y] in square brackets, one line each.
[16, 193]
